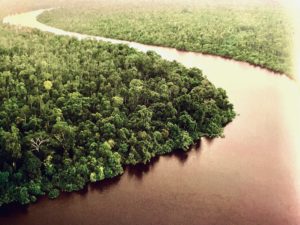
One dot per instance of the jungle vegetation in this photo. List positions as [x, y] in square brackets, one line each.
[258, 35]
[73, 112]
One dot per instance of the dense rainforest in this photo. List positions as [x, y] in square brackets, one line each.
[258, 35]
[73, 112]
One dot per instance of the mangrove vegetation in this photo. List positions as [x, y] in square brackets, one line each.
[73, 112]
[258, 35]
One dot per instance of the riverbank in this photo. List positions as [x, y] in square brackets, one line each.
[261, 36]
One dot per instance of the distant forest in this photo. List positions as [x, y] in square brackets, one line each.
[258, 35]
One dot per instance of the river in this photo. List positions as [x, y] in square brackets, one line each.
[252, 176]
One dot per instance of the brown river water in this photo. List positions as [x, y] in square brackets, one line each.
[252, 176]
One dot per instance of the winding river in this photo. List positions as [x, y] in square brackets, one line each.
[252, 176]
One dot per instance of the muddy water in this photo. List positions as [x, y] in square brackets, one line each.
[250, 177]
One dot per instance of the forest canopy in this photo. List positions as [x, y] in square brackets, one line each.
[258, 35]
[73, 112]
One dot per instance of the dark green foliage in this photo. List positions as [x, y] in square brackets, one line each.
[54, 193]
[78, 111]
[258, 35]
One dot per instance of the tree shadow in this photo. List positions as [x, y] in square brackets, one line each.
[136, 171]
[209, 141]
[139, 170]
[12, 209]
[103, 185]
